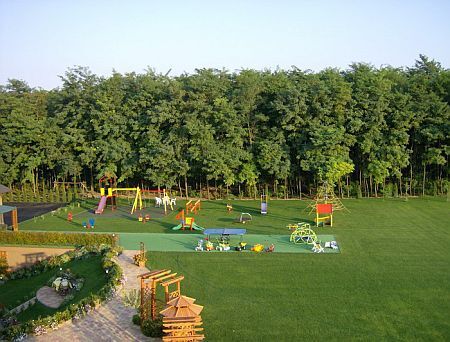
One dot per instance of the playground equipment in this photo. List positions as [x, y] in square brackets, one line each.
[148, 282]
[245, 217]
[257, 248]
[263, 204]
[270, 249]
[112, 195]
[182, 321]
[223, 239]
[166, 201]
[302, 233]
[140, 259]
[331, 244]
[229, 207]
[326, 195]
[181, 317]
[317, 247]
[193, 207]
[186, 222]
[327, 210]
[81, 185]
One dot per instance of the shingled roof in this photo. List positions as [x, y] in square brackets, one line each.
[4, 189]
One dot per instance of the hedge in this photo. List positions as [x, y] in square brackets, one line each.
[57, 238]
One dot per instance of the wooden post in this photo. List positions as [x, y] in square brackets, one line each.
[14, 221]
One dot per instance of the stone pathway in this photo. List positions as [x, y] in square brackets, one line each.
[111, 321]
[49, 297]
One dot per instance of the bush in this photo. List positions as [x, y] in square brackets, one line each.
[56, 238]
[152, 328]
[136, 319]
[3, 266]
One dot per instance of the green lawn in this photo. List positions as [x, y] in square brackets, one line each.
[390, 281]
[13, 291]
[381, 213]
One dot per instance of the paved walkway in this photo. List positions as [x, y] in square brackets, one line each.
[49, 297]
[110, 322]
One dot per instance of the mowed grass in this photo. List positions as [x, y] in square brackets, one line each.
[391, 280]
[13, 291]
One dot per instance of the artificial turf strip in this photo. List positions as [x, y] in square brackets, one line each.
[187, 242]
[12, 292]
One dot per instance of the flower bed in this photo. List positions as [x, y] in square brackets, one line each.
[11, 329]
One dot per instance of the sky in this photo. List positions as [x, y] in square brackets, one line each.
[40, 40]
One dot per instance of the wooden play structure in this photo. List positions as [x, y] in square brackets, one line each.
[302, 233]
[325, 195]
[172, 294]
[149, 282]
[182, 320]
[81, 185]
[193, 207]
[263, 204]
[182, 329]
[186, 222]
[140, 259]
[324, 214]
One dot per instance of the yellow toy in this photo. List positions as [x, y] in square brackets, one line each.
[258, 248]
[209, 246]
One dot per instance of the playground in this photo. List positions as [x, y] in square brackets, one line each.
[387, 280]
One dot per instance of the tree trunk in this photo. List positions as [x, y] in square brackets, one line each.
[401, 186]
[207, 188]
[179, 187]
[424, 178]
[348, 187]
[186, 187]
[239, 187]
[300, 186]
[286, 195]
[360, 180]
[92, 180]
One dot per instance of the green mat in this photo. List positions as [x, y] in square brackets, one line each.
[187, 242]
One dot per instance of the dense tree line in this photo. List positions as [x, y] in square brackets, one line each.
[368, 130]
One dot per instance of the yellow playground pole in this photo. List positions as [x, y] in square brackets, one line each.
[166, 201]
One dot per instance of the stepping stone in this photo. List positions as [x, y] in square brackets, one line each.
[49, 297]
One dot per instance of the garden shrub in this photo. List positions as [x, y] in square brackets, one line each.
[137, 319]
[152, 328]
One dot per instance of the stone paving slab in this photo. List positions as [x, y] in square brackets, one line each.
[111, 321]
[49, 297]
